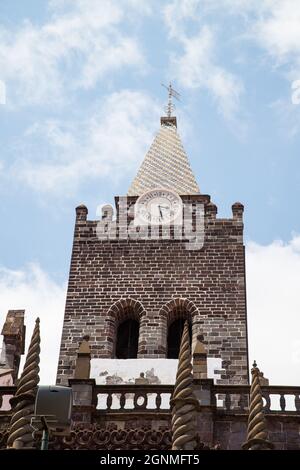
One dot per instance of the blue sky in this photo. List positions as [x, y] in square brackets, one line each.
[81, 98]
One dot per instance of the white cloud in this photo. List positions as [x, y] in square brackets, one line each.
[197, 66]
[296, 92]
[278, 29]
[176, 13]
[79, 43]
[2, 92]
[56, 157]
[272, 24]
[273, 279]
[288, 114]
[32, 289]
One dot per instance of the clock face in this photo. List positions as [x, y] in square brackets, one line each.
[158, 207]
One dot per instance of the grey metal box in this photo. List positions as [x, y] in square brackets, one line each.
[55, 401]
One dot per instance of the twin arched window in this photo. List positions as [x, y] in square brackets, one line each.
[128, 338]
[127, 314]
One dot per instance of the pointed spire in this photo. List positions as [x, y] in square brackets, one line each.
[184, 403]
[20, 431]
[257, 430]
[165, 165]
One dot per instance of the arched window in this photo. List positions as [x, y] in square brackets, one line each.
[174, 337]
[127, 339]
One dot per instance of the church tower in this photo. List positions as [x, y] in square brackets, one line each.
[158, 257]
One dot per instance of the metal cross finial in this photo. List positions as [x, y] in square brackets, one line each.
[171, 93]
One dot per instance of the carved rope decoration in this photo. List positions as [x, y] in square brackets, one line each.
[183, 402]
[20, 431]
[257, 431]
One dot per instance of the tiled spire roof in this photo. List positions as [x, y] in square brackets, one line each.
[166, 164]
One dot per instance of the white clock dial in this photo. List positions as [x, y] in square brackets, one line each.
[158, 207]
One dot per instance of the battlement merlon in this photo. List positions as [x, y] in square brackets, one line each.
[216, 229]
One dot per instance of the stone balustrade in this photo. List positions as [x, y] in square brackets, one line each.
[142, 397]
[156, 398]
[277, 398]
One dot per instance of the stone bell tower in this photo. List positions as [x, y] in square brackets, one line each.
[159, 256]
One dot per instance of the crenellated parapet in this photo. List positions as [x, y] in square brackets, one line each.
[199, 216]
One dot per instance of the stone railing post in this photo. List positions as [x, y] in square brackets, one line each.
[82, 386]
[83, 400]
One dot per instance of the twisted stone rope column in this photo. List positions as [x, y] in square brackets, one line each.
[184, 403]
[20, 432]
[257, 430]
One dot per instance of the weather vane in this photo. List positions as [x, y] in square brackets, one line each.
[171, 93]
